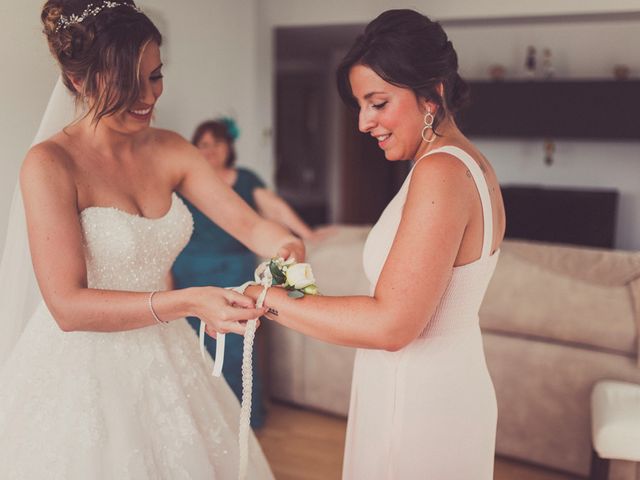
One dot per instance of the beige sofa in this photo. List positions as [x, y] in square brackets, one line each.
[555, 320]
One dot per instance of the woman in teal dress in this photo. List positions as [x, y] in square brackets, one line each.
[213, 257]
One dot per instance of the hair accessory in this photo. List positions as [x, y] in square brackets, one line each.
[153, 312]
[428, 125]
[232, 127]
[91, 11]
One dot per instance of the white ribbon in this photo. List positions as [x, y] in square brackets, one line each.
[218, 362]
[247, 365]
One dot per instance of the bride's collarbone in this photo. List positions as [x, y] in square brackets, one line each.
[151, 206]
[139, 184]
[144, 195]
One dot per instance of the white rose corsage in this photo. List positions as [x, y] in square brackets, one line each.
[297, 278]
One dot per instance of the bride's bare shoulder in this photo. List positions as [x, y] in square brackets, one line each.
[172, 147]
[167, 138]
[49, 158]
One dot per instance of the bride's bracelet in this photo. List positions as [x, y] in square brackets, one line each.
[153, 312]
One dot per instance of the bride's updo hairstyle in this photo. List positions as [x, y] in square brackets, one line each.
[102, 52]
[408, 50]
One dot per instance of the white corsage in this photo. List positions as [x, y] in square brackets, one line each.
[297, 278]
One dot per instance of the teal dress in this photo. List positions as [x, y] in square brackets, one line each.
[213, 257]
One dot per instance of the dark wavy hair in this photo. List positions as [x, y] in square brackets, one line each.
[220, 130]
[103, 52]
[407, 49]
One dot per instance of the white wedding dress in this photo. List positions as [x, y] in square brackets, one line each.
[140, 404]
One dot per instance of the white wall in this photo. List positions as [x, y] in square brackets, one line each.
[582, 48]
[28, 76]
[585, 48]
[211, 69]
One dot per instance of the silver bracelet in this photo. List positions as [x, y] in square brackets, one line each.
[153, 312]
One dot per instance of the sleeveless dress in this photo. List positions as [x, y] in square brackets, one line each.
[213, 257]
[427, 411]
[139, 404]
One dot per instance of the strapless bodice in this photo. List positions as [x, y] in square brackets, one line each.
[125, 251]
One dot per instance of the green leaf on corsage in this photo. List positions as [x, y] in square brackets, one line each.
[295, 294]
[278, 277]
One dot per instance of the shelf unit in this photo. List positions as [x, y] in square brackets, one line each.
[554, 109]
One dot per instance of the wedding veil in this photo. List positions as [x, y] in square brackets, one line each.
[19, 292]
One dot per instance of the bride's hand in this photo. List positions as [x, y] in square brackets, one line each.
[224, 311]
[294, 248]
[212, 333]
[322, 233]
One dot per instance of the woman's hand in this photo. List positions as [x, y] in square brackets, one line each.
[322, 233]
[294, 248]
[254, 291]
[224, 311]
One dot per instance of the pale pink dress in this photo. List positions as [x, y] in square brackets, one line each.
[427, 411]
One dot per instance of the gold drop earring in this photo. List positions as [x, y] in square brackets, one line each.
[428, 125]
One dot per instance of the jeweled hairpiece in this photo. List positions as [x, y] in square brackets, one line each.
[91, 11]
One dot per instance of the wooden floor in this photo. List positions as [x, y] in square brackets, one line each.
[306, 445]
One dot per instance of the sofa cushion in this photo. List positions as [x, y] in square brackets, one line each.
[337, 261]
[570, 294]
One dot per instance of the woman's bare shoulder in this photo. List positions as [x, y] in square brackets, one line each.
[48, 158]
[167, 138]
[169, 146]
[440, 169]
[441, 185]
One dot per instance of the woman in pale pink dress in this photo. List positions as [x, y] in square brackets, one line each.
[422, 405]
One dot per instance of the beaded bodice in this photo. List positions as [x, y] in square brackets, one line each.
[124, 251]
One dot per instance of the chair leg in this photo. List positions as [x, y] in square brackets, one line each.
[599, 467]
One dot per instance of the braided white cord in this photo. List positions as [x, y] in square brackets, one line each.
[247, 391]
[247, 388]
[263, 279]
[247, 373]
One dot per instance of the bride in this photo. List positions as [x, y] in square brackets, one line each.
[102, 382]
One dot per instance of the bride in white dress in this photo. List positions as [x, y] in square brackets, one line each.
[423, 405]
[105, 381]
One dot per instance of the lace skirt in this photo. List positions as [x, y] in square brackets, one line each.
[128, 405]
